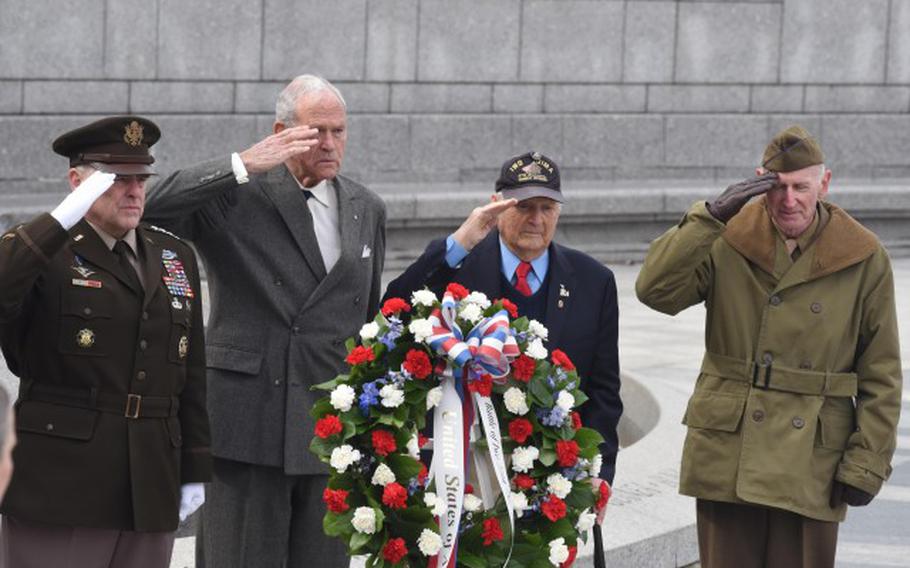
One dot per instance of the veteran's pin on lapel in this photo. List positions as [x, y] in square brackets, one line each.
[563, 293]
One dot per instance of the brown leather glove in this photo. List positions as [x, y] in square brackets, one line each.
[737, 195]
[843, 493]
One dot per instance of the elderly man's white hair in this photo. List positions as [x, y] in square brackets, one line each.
[286, 105]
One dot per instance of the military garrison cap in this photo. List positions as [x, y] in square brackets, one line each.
[117, 145]
[792, 149]
[529, 175]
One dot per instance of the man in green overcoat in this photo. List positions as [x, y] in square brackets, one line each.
[795, 410]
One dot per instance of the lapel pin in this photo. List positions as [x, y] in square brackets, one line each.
[78, 237]
[560, 304]
[563, 293]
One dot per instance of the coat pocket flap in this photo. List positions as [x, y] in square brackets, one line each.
[233, 359]
[56, 420]
[715, 411]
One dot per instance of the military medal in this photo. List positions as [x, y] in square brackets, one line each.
[87, 283]
[85, 338]
[175, 303]
[175, 278]
[183, 346]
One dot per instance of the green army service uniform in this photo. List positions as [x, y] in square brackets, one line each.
[789, 346]
[111, 414]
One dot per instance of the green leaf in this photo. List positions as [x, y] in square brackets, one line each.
[405, 467]
[580, 397]
[582, 496]
[322, 407]
[337, 524]
[350, 344]
[540, 392]
[358, 541]
[329, 385]
[465, 558]
[547, 457]
[588, 437]
[323, 448]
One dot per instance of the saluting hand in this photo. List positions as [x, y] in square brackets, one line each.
[735, 197]
[277, 148]
[481, 221]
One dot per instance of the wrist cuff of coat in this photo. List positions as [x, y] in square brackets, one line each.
[864, 470]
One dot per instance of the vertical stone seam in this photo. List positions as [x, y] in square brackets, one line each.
[521, 30]
[887, 39]
[749, 109]
[104, 40]
[675, 40]
[416, 58]
[157, 37]
[261, 39]
[129, 97]
[22, 97]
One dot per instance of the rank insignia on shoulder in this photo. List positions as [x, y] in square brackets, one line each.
[183, 346]
[87, 283]
[158, 229]
[85, 338]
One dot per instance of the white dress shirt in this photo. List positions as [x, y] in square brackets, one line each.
[324, 209]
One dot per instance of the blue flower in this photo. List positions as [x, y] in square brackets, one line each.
[554, 417]
[369, 397]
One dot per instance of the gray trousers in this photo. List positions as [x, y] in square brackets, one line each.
[257, 516]
[28, 544]
[748, 536]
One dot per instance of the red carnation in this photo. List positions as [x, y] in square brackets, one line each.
[360, 354]
[520, 429]
[567, 452]
[491, 531]
[328, 425]
[523, 368]
[422, 475]
[417, 363]
[394, 550]
[523, 481]
[576, 420]
[468, 489]
[335, 500]
[553, 508]
[604, 492]
[395, 305]
[457, 290]
[395, 496]
[573, 551]
[508, 306]
[421, 440]
[383, 442]
[482, 386]
[561, 359]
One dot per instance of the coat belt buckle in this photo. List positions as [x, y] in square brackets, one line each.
[756, 375]
[133, 404]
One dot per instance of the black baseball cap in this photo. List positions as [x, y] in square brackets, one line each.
[529, 175]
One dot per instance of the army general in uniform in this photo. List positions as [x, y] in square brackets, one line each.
[101, 320]
[795, 410]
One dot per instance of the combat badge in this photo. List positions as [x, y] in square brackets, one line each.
[85, 338]
[183, 346]
[80, 268]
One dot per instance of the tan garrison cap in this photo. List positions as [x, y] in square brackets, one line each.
[792, 149]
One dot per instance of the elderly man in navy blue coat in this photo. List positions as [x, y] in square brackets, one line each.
[505, 249]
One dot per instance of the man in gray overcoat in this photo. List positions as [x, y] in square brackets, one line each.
[294, 253]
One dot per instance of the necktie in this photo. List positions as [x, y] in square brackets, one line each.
[121, 249]
[792, 248]
[521, 278]
[307, 194]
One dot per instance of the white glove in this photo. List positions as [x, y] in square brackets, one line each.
[192, 496]
[80, 200]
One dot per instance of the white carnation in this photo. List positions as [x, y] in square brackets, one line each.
[472, 503]
[342, 398]
[586, 521]
[478, 298]
[364, 520]
[429, 542]
[536, 350]
[434, 397]
[559, 552]
[538, 329]
[565, 401]
[392, 396]
[421, 329]
[516, 401]
[343, 456]
[519, 503]
[369, 330]
[523, 458]
[559, 485]
[414, 447]
[436, 505]
[596, 464]
[423, 298]
[471, 313]
[383, 475]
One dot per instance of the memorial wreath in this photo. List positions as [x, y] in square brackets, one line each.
[497, 402]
